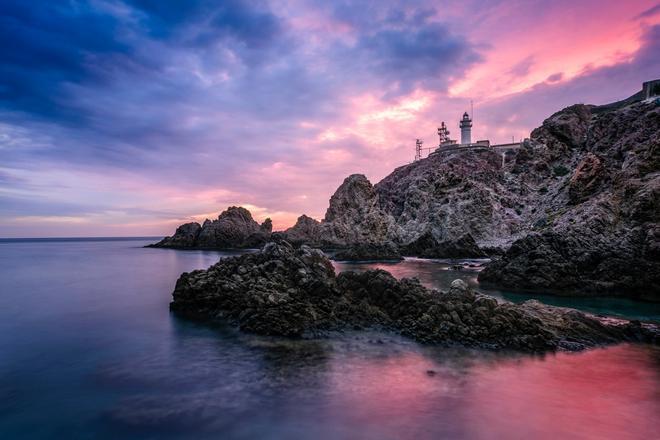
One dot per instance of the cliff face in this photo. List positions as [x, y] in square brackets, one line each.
[576, 209]
[595, 223]
[354, 216]
[454, 195]
[234, 228]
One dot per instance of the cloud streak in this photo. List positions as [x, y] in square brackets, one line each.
[137, 114]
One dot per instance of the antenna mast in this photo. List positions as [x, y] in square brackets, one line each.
[443, 134]
[418, 149]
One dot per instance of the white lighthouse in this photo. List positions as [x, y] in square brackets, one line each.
[466, 129]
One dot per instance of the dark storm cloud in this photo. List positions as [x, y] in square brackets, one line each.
[46, 47]
[144, 83]
[51, 48]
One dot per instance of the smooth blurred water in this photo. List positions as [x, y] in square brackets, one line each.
[88, 349]
[439, 274]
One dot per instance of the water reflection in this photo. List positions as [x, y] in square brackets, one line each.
[88, 349]
[438, 274]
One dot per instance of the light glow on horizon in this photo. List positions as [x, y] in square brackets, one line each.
[162, 117]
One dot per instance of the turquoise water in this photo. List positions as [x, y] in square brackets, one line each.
[439, 274]
[89, 350]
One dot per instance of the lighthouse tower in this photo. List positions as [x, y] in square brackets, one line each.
[466, 129]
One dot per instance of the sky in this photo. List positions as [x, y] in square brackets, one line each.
[130, 117]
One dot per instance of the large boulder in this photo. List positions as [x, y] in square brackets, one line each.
[289, 291]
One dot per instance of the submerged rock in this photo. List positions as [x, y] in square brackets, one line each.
[370, 252]
[286, 291]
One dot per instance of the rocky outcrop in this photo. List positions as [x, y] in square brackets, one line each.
[369, 252]
[454, 194]
[234, 228]
[305, 231]
[185, 236]
[354, 216]
[580, 203]
[595, 228]
[428, 246]
[295, 292]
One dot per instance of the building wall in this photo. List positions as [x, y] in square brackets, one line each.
[651, 88]
[466, 135]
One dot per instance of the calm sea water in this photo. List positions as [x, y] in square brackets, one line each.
[88, 349]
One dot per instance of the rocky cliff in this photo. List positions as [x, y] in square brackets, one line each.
[574, 210]
[234, 228]
[594, 222]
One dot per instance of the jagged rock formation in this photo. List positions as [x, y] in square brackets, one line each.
[579, 202]
[306, 230]
[295, 292]
[369, 252]
[451, 195]
[429, 208]
[595, 218]
[353, 218]
[354, 215]
[234, 228]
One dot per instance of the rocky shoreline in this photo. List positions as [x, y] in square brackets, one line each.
[575, 211]
[294, 292]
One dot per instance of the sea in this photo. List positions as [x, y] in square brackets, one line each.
[90, 350]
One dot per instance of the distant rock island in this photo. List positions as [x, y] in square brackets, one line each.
[234, 228]
[574, 210]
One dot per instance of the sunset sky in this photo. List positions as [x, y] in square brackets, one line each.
[129, 117]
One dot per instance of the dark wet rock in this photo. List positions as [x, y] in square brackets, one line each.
[185, 236]
[295, 292]
[369, 252]
[234, 228]
[428, 246]
[577, 261]
[305, 231]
